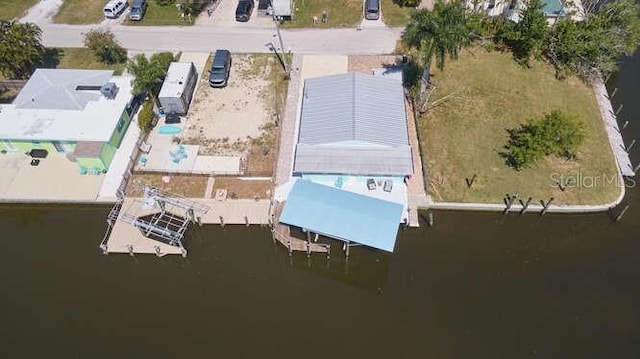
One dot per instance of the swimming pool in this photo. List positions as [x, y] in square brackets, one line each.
[169, 130]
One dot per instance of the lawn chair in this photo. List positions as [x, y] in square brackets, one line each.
[371, 184]
[388, 185]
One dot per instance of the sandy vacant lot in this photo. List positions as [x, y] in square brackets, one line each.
[224, 120]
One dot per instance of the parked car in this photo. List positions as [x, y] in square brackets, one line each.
[372, 9]
[138, 9]
[244, 10]
[114, 8]
[220, 68]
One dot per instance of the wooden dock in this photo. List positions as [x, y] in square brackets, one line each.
[123, 237]
[282, 233]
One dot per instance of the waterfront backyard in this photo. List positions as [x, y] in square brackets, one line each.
[476, 100]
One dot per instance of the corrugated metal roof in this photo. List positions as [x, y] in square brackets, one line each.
[176, 79]
[343, 215]
[353, 124]
[56, 89]
[353, 106]
[353, 160]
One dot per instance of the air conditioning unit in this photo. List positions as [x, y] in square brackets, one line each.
[109, 90]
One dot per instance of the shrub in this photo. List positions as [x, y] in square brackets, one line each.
[145, 117]
[407, 3]
[165, 2]
[557, 133]
[105, 46]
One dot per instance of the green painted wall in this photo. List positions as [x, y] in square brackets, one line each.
[120, 130]
[101, 163]
[107, 153]
[26, 146]
[91, 163]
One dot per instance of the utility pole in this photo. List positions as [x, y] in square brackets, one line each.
[276, 21]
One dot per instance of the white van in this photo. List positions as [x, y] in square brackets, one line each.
[114, 8]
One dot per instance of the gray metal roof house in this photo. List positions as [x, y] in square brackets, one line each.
[353, 124]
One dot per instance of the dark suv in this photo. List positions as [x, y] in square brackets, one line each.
[220, 68]
[244, 10]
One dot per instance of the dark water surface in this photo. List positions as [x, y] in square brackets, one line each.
[476, 285]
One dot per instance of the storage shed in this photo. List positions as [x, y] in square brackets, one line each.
[178, 87]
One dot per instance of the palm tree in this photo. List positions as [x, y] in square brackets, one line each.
[443, 31]
[149, 73]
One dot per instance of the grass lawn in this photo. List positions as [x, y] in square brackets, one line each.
[394, 15]
[268, 67]
[77, 58]
[80, 12]
[160, 15]
[243, 189]
[10, 9]
[187, 186]
[342, 13]
[464, 134]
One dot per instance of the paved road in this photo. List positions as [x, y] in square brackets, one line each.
[244, 39]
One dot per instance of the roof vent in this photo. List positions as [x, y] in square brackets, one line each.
[109, 90]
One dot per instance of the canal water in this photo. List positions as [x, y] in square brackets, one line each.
[476, 285]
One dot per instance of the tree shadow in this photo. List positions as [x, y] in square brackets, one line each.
[7, 95]
[51, 58]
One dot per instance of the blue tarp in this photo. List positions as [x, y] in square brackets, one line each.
[343, 215]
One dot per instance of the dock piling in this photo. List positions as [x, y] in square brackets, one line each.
[430, 218]
[157, 249]
[525, 205]
[624, 125]
[130, 249]
[246, 221]
[619, 109]
[614, 92]
[631, 145]
[328, 251]
[221, 221]
[510, 201]
[545, 207]
[619, 217]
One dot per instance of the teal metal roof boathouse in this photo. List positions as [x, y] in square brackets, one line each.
[343, 215]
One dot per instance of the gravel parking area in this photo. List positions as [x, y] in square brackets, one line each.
[223, 121]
